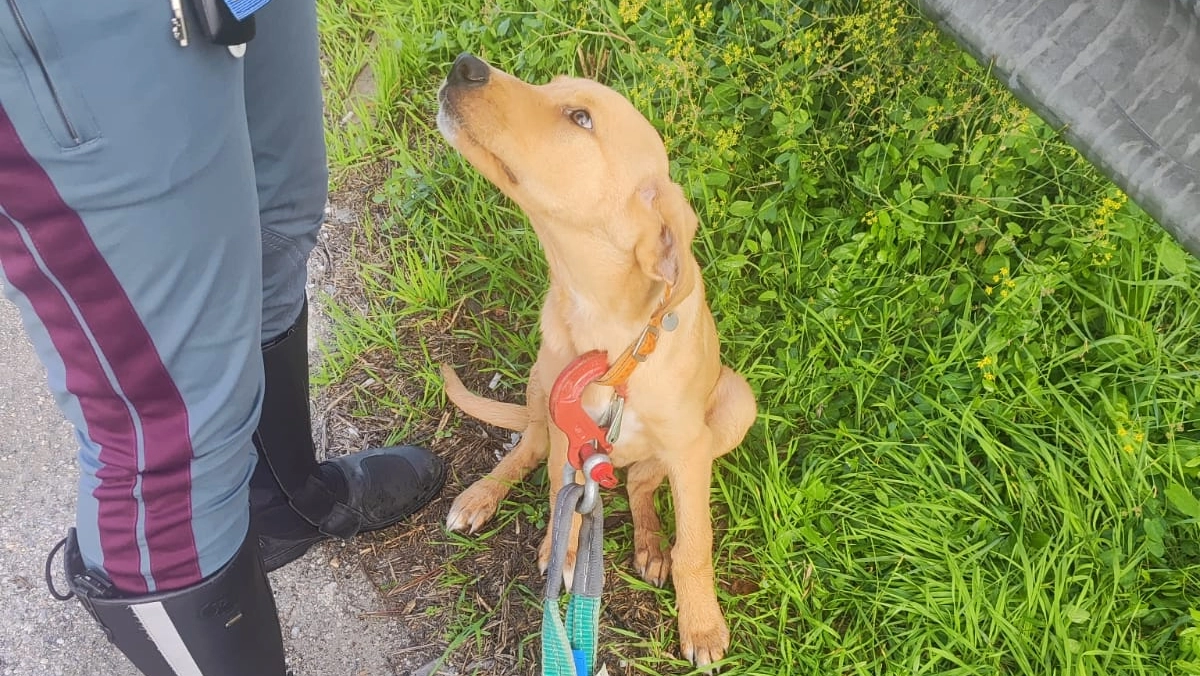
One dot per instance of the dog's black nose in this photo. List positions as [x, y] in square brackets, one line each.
[468, 71]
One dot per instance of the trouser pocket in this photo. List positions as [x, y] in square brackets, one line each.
[39, 58]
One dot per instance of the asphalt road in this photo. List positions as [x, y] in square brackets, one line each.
[323, 607]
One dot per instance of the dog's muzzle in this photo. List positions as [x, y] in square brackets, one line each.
[467, 72]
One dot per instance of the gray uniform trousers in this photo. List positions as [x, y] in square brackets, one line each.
[158, 204]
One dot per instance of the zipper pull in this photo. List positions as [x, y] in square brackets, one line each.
[178, 25]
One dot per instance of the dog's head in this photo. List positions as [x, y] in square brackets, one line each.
[575, 155]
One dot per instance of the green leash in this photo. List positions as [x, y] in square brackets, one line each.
[569, 648]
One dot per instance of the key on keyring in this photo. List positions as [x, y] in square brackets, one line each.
[178, 24]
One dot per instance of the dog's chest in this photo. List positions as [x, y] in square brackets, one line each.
[629, 446]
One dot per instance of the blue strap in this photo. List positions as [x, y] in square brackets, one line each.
[244, 8]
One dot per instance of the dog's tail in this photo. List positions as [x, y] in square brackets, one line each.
[508, 416]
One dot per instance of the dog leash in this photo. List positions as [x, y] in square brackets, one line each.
[569, 645]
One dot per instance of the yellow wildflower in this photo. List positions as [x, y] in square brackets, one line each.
[629, 10]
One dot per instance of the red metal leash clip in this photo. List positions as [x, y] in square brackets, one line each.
[585, 437]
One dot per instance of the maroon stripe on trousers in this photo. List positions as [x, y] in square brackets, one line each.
[70, 257]
[111, 429]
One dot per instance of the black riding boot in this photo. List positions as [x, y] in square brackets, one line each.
[224, 626]
[297, 502]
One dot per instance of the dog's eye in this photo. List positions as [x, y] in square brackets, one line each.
[581, 117]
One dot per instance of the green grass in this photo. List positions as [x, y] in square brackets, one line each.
[977, 363]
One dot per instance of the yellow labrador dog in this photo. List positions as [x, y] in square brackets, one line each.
[591, 173]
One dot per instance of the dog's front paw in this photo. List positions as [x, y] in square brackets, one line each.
[651, 557]
[474, 506]
[703, 636]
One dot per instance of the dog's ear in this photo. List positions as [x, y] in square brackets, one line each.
[666, 238]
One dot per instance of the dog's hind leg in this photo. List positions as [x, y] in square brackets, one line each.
[731, 411]
[476, 505]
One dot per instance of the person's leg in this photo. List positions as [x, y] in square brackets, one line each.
[285, 116]
[129, 240]
[296, 500]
